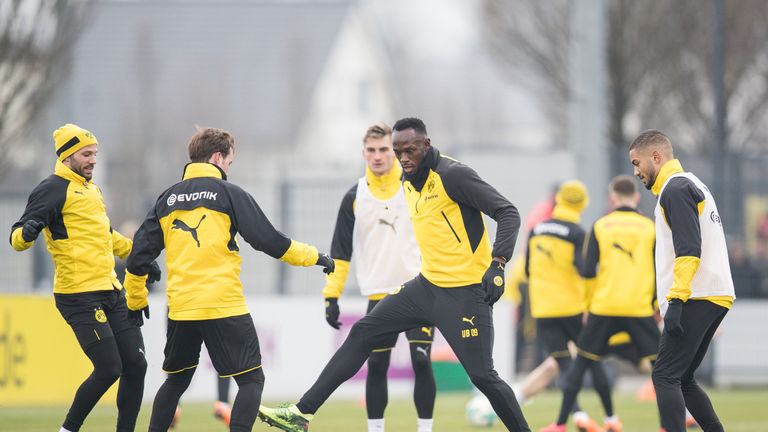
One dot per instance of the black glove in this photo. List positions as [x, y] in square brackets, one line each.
[332, 312]
[154, 273]
[672, 318]
[493, 282]
[31, 229]
[325, 260]
[136, 318]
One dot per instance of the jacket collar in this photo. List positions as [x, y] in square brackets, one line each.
[626, 209]
[429, 162]
[66, 172]
[387, 182]
[667, 170]
[564, 213]
[203, 169]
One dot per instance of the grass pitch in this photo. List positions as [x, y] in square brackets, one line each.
[740, 411]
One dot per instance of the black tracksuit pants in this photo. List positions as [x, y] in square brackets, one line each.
[678, 359]
[460, 314]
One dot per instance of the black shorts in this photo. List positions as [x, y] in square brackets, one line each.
[231, 342]
[94, 316]
[416, 335]
[556, 332]
[593, 341]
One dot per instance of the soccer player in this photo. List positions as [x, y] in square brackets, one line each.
[693, 279]
[373, 222]
[196, 221]
[68, 208]
[553, 262]
[461, 278]
[620, 278]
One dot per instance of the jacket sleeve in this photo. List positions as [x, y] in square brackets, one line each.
[682, 203]
[589, 265]
[45, 202]
[252, 224]
[465, 186]
[148, 242]
[527, 265]
[341, 246]
[121, 245]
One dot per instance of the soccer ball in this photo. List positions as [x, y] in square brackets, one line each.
[479, 412]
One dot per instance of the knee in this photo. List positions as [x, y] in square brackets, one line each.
[660, 377]
[378, 364]
[108, 372]
[136, 366]
[255, 376]
[485, 379]
[422, 364]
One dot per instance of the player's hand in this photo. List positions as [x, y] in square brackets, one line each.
[493, 282]
[332, 312]
[324, 260]
[154, 273]
[31, 229]
[137, 317]
[672, 318]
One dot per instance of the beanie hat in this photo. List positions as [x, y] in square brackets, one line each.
[573, 195]
[70, 138]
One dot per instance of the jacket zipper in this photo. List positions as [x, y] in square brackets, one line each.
[450, 226]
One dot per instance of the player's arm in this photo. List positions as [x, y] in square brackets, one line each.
[121, 245]
[681, 203]
[588, 269]
[341, 246]
[465, 186]
[258, 231]
[148, 242]
[44, 203]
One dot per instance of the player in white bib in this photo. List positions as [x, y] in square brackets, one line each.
[373, 222]
[693, 279]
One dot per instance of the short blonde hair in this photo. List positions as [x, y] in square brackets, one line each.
[378, 130]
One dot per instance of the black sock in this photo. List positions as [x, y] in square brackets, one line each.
[167, 399]
[246, 406]
[222, 385]
[131, 388]
[424, 386]
[376, 391]
[106, 369]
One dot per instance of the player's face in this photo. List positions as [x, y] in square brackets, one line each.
[645, 168]
[378, 154]
[223, 162]
[83, 161]
[410, 148]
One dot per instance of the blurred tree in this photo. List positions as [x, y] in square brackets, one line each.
[36, 39]
[658, 67]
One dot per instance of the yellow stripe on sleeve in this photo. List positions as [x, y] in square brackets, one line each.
[684, 269]
[334, 282]
[300, 254]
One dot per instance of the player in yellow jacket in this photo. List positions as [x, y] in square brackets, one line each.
[196, 221]
[68, 208]
[619, 273]
[461, 277]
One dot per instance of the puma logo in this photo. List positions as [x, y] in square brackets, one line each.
[79, 192]
[180, 224]
[427, 330]
[469, 320]
[389, 224]
[629, 253]
[142, 352]
[546, 252]
[423, 351]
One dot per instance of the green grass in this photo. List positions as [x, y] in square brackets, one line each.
[740, 411]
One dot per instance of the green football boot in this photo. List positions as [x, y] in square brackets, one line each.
[286, 417]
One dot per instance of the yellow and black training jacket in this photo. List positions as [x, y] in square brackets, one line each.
[196, 222]
[553, 261]
[446, 200]
[619, 263]
[77, 232]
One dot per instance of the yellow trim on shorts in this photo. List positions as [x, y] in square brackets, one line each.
[240, 373]
[180, 370]
[416, 341]
[651, 357]
[382, 349]
[558, 354]
[588, 355]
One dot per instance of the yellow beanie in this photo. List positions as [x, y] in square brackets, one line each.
[70, 138]
[573, 194]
